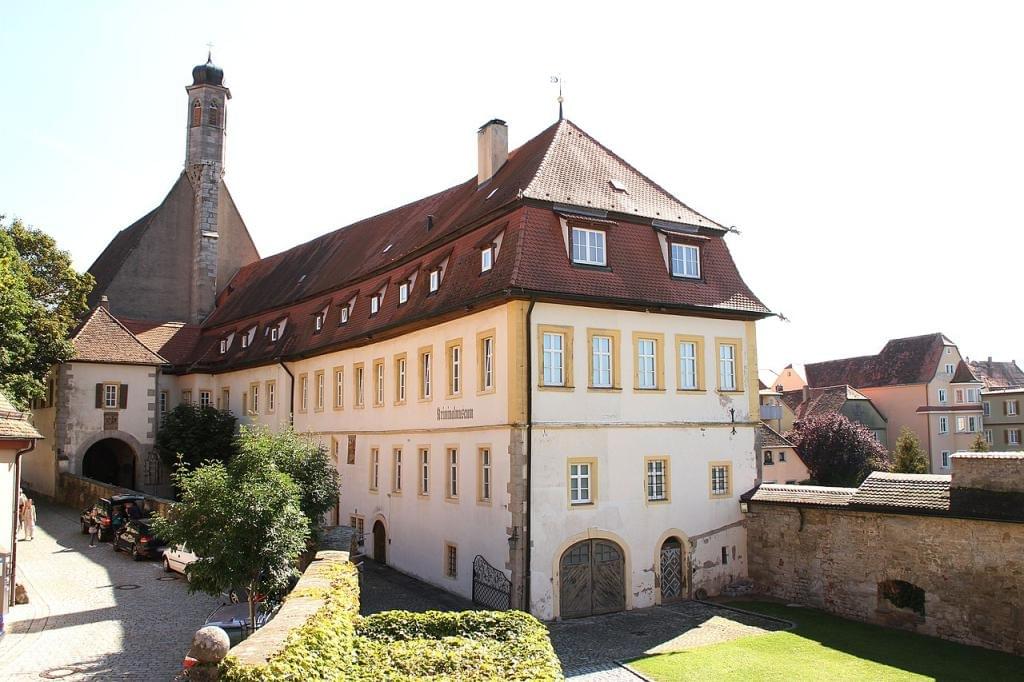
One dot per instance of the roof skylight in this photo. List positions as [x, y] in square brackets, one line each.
[617, 185]
[387, 248]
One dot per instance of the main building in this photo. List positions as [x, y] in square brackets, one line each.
[539, 386]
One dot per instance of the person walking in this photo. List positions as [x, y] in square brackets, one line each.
[28, 519]
[22, 501]
[94, 531]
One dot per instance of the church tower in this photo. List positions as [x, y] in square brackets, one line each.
[204, 165]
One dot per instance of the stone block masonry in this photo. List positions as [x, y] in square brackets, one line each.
[874, 566]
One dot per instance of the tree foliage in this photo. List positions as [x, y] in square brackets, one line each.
[197, 433]
[908, 457]
[836, 450]
[980, 444]
[242, 519]
[306, 461]
[42, 298]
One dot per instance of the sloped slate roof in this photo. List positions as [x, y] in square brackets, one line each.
[173, 341]
[998, 374]
[903, 491]
[14, 424]
[109, 262]
[964, 375]
[102, 338]
[822, 400]
[814, 495]
[770, 438]
[911, 360]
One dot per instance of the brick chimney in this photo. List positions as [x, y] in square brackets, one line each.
[491, 148]
[104, 302]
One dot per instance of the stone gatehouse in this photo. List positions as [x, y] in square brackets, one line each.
[940, 555]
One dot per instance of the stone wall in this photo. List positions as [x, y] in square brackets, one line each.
[79, 492]
[843, 561]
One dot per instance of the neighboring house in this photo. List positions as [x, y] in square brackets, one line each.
[774, 410]
[919, 382]
[789, 379]
[844, 400]
[1002, 400]
[549, 369]
[18, 438]
[779, 461]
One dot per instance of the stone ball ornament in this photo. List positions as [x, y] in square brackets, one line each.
[210, 644]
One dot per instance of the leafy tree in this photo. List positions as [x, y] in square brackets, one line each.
[191, 434]
[242, 519]
[42, 298]
[909, 458]
[979, 444]
[306, 461]
[836, 450]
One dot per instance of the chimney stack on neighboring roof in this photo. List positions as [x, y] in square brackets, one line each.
[491, 148]
[105, 302]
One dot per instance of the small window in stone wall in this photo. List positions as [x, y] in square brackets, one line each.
[902, 595]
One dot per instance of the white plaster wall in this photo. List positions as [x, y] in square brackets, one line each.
[622, 513]
[8, 500]
[39, 467]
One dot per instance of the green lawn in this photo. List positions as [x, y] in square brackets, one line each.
[825, 647]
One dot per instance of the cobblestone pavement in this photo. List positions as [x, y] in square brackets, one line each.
[84, 617]
[385, 589]
[589, 647]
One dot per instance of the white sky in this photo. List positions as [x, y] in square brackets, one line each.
[871, 154]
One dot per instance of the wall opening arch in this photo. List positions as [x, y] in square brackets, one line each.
[110, 460]
[673, 567]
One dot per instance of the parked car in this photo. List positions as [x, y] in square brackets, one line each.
[138, 538]
[234, 619]
[109, 513]
[177, 558]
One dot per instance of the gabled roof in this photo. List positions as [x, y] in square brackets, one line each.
[173, 341]
[964, 375]
[770, 438]
[109, 262]
[14, 424]
[821, 400]
[911, 360]
[102, 338]
[998, 374]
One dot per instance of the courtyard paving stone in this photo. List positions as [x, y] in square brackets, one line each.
[80, 617]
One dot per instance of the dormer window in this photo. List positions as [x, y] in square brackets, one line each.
[435, 280]
[344, 314]
[375, 304]
[245, 340]
[274, 332]
[318, 322]
[685, 261]
[403, 293]
[223, 346]
[486, 259]
[588, 247]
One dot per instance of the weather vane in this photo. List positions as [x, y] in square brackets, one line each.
[558, 79]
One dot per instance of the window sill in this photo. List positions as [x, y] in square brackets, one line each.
[425, 400]
[604, 389]
[649, 390]
[453, 396]
[543, 387]
[691, 390]
[399, 403]
[721, 496]
[451, 500]
[338, 408]
[686, 278]
[484, 503]
[659, 501]
[582, 505]
[732, 391]
[486, 391]
[592, 266]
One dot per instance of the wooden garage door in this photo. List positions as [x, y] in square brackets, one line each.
[592, 579]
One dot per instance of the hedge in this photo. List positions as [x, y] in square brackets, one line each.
[338, 644]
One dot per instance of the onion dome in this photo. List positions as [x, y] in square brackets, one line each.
[208, 74]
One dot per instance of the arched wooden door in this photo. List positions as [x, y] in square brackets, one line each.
[673, 571]
[380, 543]
[592, 574]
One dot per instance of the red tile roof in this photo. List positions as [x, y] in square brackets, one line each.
[173, 341]
[821, 400]
[998, 374]
[912, 360]
[770, 438]
[913, 491]
[14, 424]
[813, 495]
[102, 338]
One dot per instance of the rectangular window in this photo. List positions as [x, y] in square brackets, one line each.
[486, 259]
[945, 459]
[451, 560]
[942, 395]
[1010, 408]
[374, 304]
[647, 363]
[961, 424]
[588, 247]
[943, 424]
[360, 384]
[396, 482]
[274, 331]
[254, 398]
[453, 473]
[424, 471]
[374, 469]
[426, 366]
[205, 399]
[721, 483]
[554, 359]
[163, 402]
[344, 315]
[484, 474]
[318, 323]
[949, 369]
[225, 399]
[245, 340]
[303, 393]
[972, 424]
[223, 346]
[400, 379]
[657, 480]
[685, 261]
[601, 361]
[454, 368]
[271, 396]
[186, 397]
[339, 388]
[1013, 436]
[973, 395]
[320, 386]
[782, 453]
[580, 484]
[688, 366]
[725, 556]
[486, 359]
[403, 293]
[988, 436]
[727, 367]
[110, 396]
[378, 383]
[959, 393]
[435, 280]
